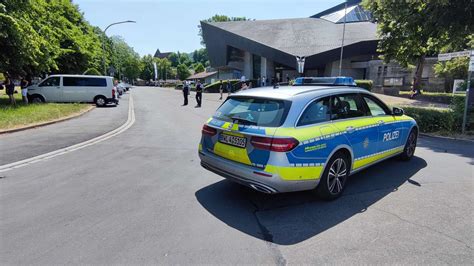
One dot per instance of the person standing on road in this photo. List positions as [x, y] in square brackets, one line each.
[10, 90]
[228, 87]
[198, 94]
[185, 92]
[24, 83]
[221, 89]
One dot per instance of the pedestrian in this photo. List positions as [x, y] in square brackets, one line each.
[244, 86]
[228, 87]
[221, 89]
[116, 94]
[24, 83]
[10, 89]
[185, 92]
[414, 91]
[263, 81]
[198, 94]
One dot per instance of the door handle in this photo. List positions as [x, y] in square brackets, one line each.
[350, 129]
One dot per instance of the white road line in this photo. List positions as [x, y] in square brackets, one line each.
[130, 121]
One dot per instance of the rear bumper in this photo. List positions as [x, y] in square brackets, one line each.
[252, 177]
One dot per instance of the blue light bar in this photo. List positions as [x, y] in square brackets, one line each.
[328, 81]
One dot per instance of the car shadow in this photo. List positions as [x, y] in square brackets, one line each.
[290, 218]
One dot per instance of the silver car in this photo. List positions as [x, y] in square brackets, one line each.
[301, 138]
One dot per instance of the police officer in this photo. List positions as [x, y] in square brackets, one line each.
[198, 94]
[185, 92]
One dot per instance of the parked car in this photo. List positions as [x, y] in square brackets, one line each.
[127, 86]
[287, 139]
[74, 88]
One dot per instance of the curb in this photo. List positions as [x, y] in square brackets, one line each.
[444, 137]
[130, 121]
[91, 107]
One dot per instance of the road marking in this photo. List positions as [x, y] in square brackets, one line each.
[130, 121]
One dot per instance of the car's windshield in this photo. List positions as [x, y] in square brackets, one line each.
[254, 111]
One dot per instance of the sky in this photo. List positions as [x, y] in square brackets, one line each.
[171, 25]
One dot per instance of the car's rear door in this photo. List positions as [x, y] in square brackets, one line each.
[242, 127]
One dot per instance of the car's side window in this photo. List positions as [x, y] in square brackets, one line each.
[53, 81]
[316, 112]
[347, 106]
[374, 107]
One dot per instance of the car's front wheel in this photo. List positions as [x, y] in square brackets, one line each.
[410, 146]
[333, 180]
[37, 99]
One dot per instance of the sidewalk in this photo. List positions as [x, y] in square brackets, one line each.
[399, 101]
[32, 142]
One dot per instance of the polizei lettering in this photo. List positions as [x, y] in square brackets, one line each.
[391, 136]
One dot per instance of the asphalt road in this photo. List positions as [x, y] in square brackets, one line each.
[25, 144]
[141, 197]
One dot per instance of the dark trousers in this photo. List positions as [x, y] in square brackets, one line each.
[185, 95]
[199, 98]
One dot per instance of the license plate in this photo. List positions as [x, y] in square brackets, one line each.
[233, 140]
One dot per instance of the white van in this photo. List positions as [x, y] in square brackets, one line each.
[74, 88]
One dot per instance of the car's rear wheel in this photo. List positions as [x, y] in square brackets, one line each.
[37, 99]
[100, 101]
[333, 180]
[410, 146]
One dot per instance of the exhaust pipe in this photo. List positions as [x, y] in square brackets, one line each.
[261, 189]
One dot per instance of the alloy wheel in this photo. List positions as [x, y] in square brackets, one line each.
[337, 176]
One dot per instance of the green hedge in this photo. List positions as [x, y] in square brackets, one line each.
[439, 120]
[214, 87]
[364, 83]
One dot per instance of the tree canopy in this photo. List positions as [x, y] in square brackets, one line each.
[40, 37]
[411, 30]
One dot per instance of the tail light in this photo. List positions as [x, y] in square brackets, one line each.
[113, 93]
[207, 130]
[274, 144]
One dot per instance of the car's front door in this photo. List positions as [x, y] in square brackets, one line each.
[390, 131]
[350, 116]
[51, 89]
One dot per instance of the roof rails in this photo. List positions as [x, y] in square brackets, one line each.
[324, 81]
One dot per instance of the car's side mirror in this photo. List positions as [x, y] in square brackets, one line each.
[397, 111]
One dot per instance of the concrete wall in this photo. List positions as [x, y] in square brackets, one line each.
[378, 71]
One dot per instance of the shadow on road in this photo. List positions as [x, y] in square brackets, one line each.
[440, 145]
[290, 218]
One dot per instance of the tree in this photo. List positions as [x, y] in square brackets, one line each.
[183, 71]
[148, 70]
[174, 59]
[164, 69]
[218, 18]
[200, 56]
[198, 68]
[184, 59]
[125, 60]
[411, 30]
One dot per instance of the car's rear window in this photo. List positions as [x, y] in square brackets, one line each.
[254, 111]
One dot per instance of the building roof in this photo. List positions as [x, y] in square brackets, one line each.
[161, 55]
[202, 75]
[301, 36]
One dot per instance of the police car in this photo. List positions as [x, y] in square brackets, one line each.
[303, 137]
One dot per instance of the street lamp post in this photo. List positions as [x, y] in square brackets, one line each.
[105, 36]
[343, 35]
